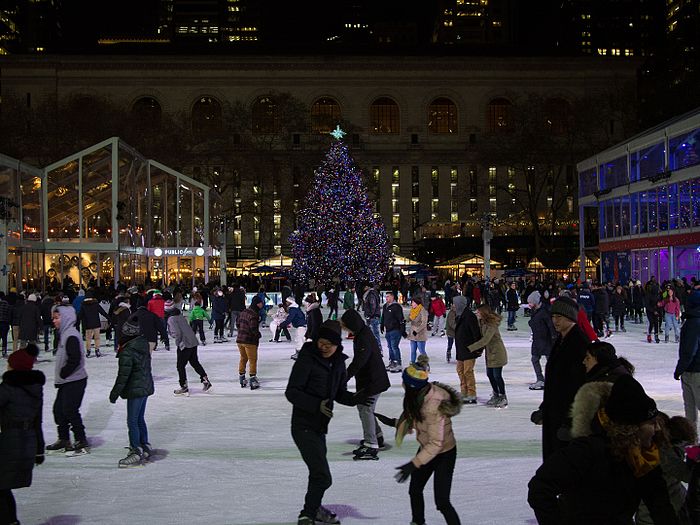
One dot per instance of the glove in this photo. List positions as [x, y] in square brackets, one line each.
[39, 459]
[388, 421]
[415, 333]
[536, 417]
[677, 376]
[113, 399]
[359, 398]
[325, 410]
[404, 471]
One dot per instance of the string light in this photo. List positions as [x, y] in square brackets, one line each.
[339, 235]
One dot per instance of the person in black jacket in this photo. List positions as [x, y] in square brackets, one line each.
[393, 325]
[151, 326]
[30, 322]
[688, 365]
[236, 304]
[618, 305]
[543, 336]
[318, 378]
[563, 376]
[90, 312]
[314, 317]
[601, 312]
[21, 437]
[371, 379]
[612, 463]
[512, 305]
[467, 332]
[46, 306]
[134, 383]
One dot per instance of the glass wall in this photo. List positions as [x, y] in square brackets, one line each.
[647, 162]
[30, 189]
[588, 182]
[614, 173]
[63, 218]
[97, 195]
[132, 200]
[684, 150]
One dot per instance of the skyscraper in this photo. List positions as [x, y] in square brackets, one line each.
[28, 26]
[474, 22]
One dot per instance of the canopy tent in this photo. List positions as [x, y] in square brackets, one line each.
[591, 266]
[278, 261]
[470, 262]
[400, 262]
[263, 269]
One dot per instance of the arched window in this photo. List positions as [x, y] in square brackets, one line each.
[442, 116]
[265, 115]
[206, 117]
[499, 115]
[384, 116]
[325, 115]
[147, 112]
[557, 115]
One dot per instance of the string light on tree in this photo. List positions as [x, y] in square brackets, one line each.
[339, 235]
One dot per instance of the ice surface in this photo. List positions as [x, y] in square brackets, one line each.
[227, 457]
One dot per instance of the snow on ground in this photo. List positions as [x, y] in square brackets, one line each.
[228, 457]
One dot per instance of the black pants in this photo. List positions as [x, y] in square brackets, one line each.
[8, 507]
[619, 320]
[198, 325]
[600, 323]
[184, 356]
[312, 446]
[66, 410]
[443, 466]
[284, 331]
[4, 330]
[653, 323]
[219, 328]
[333, 309]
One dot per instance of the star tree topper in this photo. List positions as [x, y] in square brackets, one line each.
[338, 133]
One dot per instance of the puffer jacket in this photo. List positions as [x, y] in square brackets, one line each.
[367, 366]
[312, 380]
[419, 325]
[434, 433]
[496, 355]
[219, 306]
[543, 333]
[583, 483]
[90, 314]
[314, 318]
[688, 355]
[21, 437]
[134, 378]
[466, 332]
[30, 321]
[295, 317]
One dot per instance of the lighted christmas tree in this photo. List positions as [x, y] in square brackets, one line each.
[338, 234]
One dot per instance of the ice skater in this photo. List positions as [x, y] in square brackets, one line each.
[248, 339]
[186, 344]
[318, 378]
[428, 409]
[134, 383]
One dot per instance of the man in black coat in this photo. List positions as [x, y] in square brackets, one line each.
[151, 326]
[543, 335]
[46, 306]
[688, 366]
[318, 378]
[601, 312]
[467, 332]
[564, 374]
[371, 379]
[30, 322]
[236, 304]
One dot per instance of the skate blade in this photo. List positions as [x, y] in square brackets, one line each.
[357, 458]
[74, 454]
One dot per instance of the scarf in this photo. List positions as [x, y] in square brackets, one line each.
[405, 424]
[641, 461]
[415, 312]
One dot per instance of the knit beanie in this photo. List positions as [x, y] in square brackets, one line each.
[256, 301]
[416, 374]
[566, 307]
[628, 404]
[131, 327]
[534, 298]
[330, 331]
[21, 360]
[32, 298]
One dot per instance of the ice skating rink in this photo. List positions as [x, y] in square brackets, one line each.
[227, 457]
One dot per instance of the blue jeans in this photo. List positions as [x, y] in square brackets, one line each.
[138, 432]
[393, 337]
[495, 376]
[374, 326]
[671, 321]
[511, 318]
[417, 345]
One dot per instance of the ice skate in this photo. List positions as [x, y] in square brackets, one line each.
[305, 520]
[134, 458]
[623, 329]
[469, 400]
[648, 338]
[501, 402]
[222, 339]
[380, 444]
[537, 385]
[254, 385]
[492, 400]
[60, 445]
[323, 515]
[365, 454]
[242, 380]
[678, 340]
[87, 353]
[294, 355]
[216, 339]
[182, 391]
[206, 384]
[79, 448]
[147, 451]
[97, 353]
[656, 339]
[666, 338]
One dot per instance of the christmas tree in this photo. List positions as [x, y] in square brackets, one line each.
[338, 234]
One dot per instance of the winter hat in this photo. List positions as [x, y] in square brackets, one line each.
[693, 300]
[566, 307]
[534, 298]
[628, 404]
[256, 300]
[289, 300]
[21, 360]
[32, 297]
[81, 292]
[131, 327]
[133, 289]
[311, 298]
[638, 283]
[331, 331]
[416, 374]
[417, 300]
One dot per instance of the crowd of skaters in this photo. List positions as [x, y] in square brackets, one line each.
[467, 313]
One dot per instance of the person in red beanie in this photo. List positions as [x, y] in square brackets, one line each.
[21, 437]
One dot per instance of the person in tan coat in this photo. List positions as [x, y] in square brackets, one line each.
[417, 327]
[428, 409]
[496, 355]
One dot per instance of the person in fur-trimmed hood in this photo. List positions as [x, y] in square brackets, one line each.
[21, 437]
[612, 463]
[427, 409]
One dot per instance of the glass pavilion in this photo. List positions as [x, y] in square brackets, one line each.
[102, 215]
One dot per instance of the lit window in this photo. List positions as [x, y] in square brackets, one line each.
[615, 52]
[602, 51]
[325, 114]
[454, 217]
[384, 116]
[498, 114]
[492, 204]
[265, 115]
[442, 116]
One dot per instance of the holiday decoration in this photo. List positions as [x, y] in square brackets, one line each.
[339, 236]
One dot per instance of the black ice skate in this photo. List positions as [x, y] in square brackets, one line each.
[79, 448]
[242, 380]
[60, 445]
[206, 384]
[134, 458]
[254, 385]
[323, 515]
[365, 453]
[182, 391]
